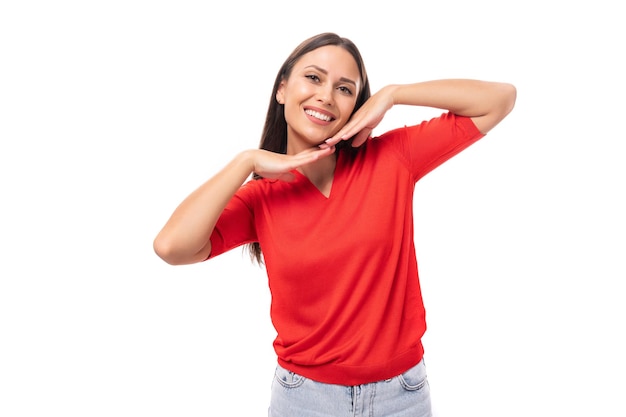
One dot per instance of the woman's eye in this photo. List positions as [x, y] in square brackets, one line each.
[313, 77]
[345, 90]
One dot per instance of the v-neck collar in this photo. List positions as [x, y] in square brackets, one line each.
[333, 186]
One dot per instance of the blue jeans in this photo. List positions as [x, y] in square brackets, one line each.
[406, 395]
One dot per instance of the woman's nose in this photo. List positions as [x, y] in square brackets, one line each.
[325, 94]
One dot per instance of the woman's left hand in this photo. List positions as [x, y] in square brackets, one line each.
[363, 122]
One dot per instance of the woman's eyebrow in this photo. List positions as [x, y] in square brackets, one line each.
[322, 70]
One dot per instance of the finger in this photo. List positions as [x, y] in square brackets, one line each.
[313, 154]
[324, 151]
[344, 133]
[334, 140]
[361, 137]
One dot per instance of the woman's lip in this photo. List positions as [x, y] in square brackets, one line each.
[321, 112]
[317, 121]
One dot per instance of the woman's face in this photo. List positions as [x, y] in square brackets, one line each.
[319, 96]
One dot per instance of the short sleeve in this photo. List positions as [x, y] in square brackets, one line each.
[235, 227]
[425, 146]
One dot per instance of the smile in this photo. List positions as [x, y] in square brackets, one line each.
[318, 115]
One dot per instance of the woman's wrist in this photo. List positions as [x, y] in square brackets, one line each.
[391, 90]
[246, 160]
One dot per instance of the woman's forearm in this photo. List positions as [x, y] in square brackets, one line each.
[487, 103]
[185, 237]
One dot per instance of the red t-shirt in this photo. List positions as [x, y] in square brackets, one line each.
[345, 295]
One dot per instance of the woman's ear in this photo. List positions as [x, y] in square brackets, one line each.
[280, 96]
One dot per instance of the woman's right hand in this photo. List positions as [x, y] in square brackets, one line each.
[274, 165]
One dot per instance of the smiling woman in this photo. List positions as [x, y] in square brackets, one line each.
[319, 96]
[329, 210]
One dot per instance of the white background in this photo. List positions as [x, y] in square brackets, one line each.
[112, 112]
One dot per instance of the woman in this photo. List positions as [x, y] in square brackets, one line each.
[329, 213]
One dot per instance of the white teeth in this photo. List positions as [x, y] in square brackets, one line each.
[318, 115]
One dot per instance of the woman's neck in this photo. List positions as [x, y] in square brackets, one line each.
[321, 173]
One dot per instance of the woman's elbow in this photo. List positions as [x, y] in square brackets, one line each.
[508, 97]
[164, 249]
[172, 254]
[501, 103]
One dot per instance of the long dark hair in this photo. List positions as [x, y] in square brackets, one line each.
[274, 135]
